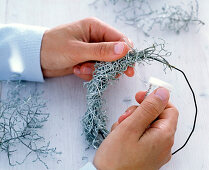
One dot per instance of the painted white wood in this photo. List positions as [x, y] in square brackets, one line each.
[3, 4]
[2, 18]
[66, 95]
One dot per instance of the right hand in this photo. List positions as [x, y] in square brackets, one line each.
[143, 139]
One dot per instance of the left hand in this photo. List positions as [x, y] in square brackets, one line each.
[74, 48]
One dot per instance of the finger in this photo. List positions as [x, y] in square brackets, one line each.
[167, 120]
[87, 68]
[127, 113]
[170, 105]
[140, 96]
[99, 31]
[114, 126]
[163, 129]
[152, 106]
[81, 72]
[84, 77]
[129, 72]
[56, 73]
[90, 66]
[84, 71]
[103, 51]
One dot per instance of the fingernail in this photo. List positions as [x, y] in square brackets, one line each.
[162, 93]
[123, 116]
[76, 70]
[118, 48]
[87, 70]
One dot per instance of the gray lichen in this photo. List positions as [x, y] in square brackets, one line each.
[22, 115]
[94, 120]
[143, 15]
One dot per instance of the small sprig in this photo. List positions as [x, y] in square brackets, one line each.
[143, 15]
[173, 18]
[22, 115]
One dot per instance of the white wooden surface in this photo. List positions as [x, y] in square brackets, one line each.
[67, 96]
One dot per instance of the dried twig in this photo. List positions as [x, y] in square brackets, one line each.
[22, 115]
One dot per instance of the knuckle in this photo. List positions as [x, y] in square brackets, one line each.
[169, 157]
[100, 51]
[150, 108]
[171, 142]
[89, 22]
[128, 128]
[175, 111]
[169, 132]
[91, 19]
[125, 126]
[168, 137]
[114, 126]
[174, 118]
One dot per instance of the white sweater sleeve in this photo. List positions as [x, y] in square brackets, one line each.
[20, 47]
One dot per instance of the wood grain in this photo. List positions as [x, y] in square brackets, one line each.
[66, 95]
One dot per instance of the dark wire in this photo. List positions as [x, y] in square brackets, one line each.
[195, 103]
[196, 110]
[194, 98]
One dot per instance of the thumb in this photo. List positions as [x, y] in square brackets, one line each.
[105, 51]
[148, 111]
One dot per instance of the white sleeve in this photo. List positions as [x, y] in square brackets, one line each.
[20, 52]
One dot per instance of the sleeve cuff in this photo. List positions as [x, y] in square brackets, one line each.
[88, 166]
[22, 45]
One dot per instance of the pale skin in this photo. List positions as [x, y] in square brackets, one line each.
[74, 48]
[143, 136]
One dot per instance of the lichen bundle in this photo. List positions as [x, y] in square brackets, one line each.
[143, 15]
[94, 120]
[22, 115]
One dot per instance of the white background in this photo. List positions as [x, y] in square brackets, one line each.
[66, 95]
